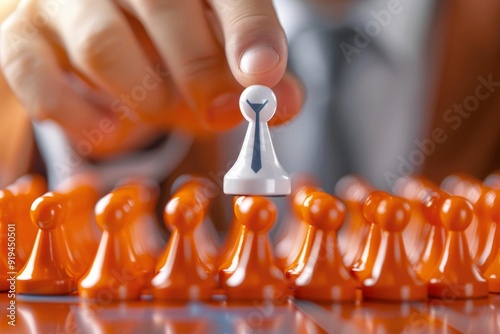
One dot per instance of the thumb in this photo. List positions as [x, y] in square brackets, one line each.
[256, 47]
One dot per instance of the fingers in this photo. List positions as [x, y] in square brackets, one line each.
[290, 95]
[32, 72]
[182, 35]
[102, 46]
[255, 43]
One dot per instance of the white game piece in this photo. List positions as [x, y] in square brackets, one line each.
[257, 170]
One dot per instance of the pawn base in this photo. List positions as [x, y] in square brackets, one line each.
[336, 293]
[49, 286]
[257, 186]
[395, 293]
[446, 289]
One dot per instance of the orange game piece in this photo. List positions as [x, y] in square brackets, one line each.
[473, 190]
[393, 278]
[488, 210]
[183, 276]
[253, 273]
[362, 269]
[80, 235]
[434, 244]
[230, 243]
[290, 245]
[415, 189]
[15, 204]
[456, 273]
[287, 232]
[353, 191]
[113, 275]
[144, 244]
[206, 237]
[46, 273]
[321, 274]
[491, 265]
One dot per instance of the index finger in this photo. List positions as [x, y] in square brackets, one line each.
[255, 43]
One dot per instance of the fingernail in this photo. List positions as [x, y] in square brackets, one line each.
[224, 112]
[259, 59]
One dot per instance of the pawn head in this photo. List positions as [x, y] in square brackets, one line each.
[299, 196]
[112, 212]
[431, 207]
[456, 213]
[255, 212]
[47, 212]
[323, 211]
[390, 212]
[184, 212]
[258, 99]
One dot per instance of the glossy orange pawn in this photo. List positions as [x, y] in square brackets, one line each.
[353, 191]
[77, 197]
[205, 235]
[45, 272]
[489, 209]
[183, 276]
[434, 243]
[362, 269]
[415, 189]
[253, 274]
[113, 275]
[456, 273]
[15, 221]
[393, 278]
[323, 276]
[491, 262]
[290, 244]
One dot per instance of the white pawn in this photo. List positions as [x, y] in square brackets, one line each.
[257, 170]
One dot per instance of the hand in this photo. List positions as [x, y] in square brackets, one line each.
[136, 67]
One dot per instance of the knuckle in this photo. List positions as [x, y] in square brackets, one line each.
[249, 18]
[17, 65]
[202, 68]
[97, 45]
[154, 5]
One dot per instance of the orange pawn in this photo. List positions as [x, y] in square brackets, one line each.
[415, 189]
[77, 197]
[113, 275]
[353, 191]
[393, 278]
[183, 276]
[45, 272]
[290, 244]
[456, 273]
[253, 273]
[323, 276]
[491, 262]
[15, 204]
[205, 235]
[434, 244]
[362, 269]
[489, 210]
